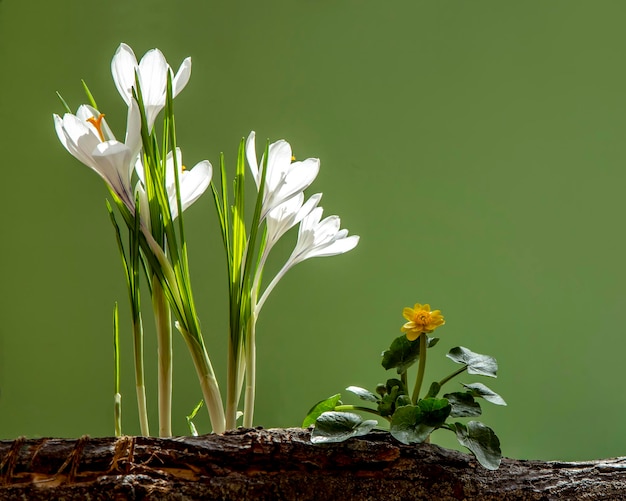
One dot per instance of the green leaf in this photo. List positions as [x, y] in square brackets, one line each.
[411, 424]
[395, 383]
[433, 390]
[319, 408]
[403, 400]
[92, 101]
[65, 105]
[339, 426]
[387, 405]
[482, 441]
[483, 365]
[363, 394]
[403, 353]
[480, 390]
[435, 410]
[463, 404]
[407, 425]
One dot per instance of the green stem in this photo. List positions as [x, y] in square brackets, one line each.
[163, 322]
[117, 410]
[405, 381]
[344, 408]
[420, 368]
[454, 374]
[139, 377]
[208, 382]
[232, 384]
[250, 393]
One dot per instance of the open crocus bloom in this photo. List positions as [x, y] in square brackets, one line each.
[321, 238]
[152, 74]
[284, 179]
[88, 138]
[284, 217]
[193, 182]
[315, 239]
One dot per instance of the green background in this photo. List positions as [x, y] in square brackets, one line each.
[477, 147]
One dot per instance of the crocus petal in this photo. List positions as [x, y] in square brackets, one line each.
[182, 77]
[123, 68]
[251, 156]
[193, 184]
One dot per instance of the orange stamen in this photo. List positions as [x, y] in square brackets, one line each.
[97, 123]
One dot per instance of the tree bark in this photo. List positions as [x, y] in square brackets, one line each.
[282, 464]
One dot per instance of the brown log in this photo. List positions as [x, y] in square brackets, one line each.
[282, 464]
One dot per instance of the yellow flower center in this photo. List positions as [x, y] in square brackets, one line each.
[422, 318]
[97, 123]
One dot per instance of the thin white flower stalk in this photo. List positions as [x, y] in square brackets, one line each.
[89, 139]
[280, 183]
[315, 239]
[192, 184]
[169, 190]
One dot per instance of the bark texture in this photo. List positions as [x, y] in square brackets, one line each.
[282, 464]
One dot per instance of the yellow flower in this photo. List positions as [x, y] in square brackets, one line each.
[420, 320]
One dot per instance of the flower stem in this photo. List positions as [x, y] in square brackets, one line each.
[454, 374]
[233, 383]
[420, 369]
[208, 382]
[250, 344]
[139, 376]
[163, 323]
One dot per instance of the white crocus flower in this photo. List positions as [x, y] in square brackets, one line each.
[284, 217]
[193, 183]
[316, 238]
[284, 179]
[88, 138]
[152, 74]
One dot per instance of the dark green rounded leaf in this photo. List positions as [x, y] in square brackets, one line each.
[463, 404]
[483, 365]
[403, 353]
[407, 425]
[363, 394]
[316, 411]
[480, 390]
[339, 426]
[435, 411]
[482, 441]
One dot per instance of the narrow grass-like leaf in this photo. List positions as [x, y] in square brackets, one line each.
[190, 417]
[67, 108]
[90, 98]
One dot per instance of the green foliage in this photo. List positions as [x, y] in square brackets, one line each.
[412, 420]
[476, 363]
[339, 426]
[319, 408]
[480, 390]
[413, 424]
[363, 394]
[482, 441]
[403, 353]
[463, 404]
